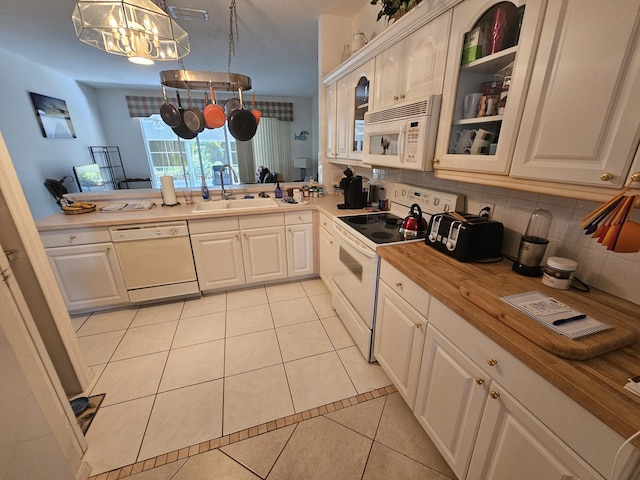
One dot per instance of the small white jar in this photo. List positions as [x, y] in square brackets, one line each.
[559, 272]
[297, 195]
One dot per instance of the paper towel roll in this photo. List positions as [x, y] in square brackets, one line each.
[168, 191]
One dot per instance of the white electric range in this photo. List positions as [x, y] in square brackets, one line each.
[356, 263]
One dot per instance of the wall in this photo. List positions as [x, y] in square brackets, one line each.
[35, 157]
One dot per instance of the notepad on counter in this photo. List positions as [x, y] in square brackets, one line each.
[124, 206]
[555, 315]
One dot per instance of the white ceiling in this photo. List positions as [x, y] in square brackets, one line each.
[277, 44]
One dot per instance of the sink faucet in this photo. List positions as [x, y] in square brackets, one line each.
[227, 195]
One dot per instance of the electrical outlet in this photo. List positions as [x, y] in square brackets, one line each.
[487, 209]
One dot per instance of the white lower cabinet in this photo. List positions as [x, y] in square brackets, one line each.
[299, 232]
[512, 443]
[451, 394]
[86, 268]
[89, 276]
[265, 254]
[398, 341]
[400, 329]
[218, 257]
[251, 249]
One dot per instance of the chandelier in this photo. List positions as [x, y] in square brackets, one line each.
[137, 29]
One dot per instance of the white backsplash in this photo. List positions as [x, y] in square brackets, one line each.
[616, 273]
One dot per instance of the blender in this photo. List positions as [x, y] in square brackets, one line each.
[533, 244]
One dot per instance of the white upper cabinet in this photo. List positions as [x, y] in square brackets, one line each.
[330, 121]
[413, 68]
[581, 121]
[347, 101]
[492, 82]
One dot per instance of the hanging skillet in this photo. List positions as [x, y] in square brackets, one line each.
[182, 130]
[193, 117]
[256, 113]
[241, 122]
[169, 113]
[214, 116]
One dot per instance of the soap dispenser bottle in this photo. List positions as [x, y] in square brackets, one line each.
[205, 190]
[278, 190]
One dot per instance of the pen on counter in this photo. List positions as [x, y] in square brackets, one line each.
[562, 321]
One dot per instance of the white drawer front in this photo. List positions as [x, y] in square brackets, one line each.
[296, 218]
[261, 221]
[213, 225]
[326, 222]
[79, 236]
[414, 295]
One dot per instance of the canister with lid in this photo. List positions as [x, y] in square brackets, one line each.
[558, 273]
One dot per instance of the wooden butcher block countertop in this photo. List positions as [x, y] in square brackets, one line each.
[591, 371]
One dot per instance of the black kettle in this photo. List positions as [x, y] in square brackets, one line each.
[414, 224]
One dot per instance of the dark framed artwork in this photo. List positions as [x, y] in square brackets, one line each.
[53, 116]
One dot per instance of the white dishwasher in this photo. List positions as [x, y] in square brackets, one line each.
[156, 260]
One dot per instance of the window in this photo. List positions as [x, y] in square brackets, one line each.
[187, 161]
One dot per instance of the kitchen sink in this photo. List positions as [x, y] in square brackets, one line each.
[235, 204]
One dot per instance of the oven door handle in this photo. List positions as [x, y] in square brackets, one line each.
[361, 249]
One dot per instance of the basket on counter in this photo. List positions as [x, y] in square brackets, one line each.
[85, 207]
[78, 212]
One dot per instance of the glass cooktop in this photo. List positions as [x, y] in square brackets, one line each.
[380, 228]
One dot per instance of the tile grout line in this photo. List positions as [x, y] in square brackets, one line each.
[235, 437]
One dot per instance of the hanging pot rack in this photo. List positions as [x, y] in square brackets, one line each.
[198, 80]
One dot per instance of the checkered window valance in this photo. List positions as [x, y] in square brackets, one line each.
[140, 106]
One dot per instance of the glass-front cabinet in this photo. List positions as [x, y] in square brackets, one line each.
[349, 96]
[360, 107]
[488, 68]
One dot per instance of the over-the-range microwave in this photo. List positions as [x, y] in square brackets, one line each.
[403, 136]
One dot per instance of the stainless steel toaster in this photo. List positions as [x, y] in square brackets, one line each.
[465, 236]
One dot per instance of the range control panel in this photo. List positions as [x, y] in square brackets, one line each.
[430, 201]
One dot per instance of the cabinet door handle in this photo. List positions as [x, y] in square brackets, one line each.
[399, 284]
[479, 380]
[492, 362]
[402, 95]
[108, 250]
[395, 97]
[72, 237]
[418, 325]
[330, 243]
[606, 176]
[635, 177]
[493, 394]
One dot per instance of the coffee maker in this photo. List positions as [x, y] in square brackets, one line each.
[354, 196]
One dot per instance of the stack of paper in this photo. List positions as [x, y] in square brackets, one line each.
[555, 315]
[123, 206]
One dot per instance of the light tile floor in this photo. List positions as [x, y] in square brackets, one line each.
[185, 373]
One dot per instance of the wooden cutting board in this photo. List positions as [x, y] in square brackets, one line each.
[486, 294]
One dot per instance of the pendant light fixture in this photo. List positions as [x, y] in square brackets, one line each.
[137, 29]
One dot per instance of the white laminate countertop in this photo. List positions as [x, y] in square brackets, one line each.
[61, 221]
